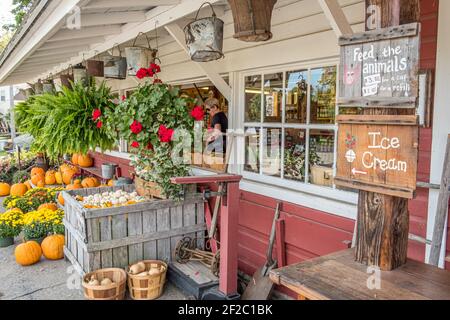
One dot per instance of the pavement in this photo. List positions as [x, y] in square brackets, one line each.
[48, 280]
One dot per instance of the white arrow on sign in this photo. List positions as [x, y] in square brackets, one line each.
[355, 172]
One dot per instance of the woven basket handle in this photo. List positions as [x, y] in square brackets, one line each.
[206, 3]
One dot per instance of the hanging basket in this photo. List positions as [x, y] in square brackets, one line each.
[38, 87]
[252, 19]
[204, 37]
[115, 66]
[139, 57]
[48, 85]
[95, 67]
[67, 78]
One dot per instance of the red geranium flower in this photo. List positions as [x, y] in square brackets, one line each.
[99, 124]
[135, 144]
[142, 73]
[165, 134]
[155, 68]
[124, 98]
[97, 113]
[197, 113]
[136, 127]
[157, 81]
[150, 72]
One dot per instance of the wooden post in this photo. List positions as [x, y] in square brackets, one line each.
[383, 221]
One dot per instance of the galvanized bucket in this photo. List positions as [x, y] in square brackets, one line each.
[115, 66]
[108, 170]
[80, 74]
[95, 67]
[139, 57]
[204, 37]
[38, 87]
[48, 86]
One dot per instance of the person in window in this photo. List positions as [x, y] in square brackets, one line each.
[217, 140]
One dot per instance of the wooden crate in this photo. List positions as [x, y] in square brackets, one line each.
[120, 236]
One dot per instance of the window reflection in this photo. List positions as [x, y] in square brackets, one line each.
[271, 162]
[253, 98]
[294, 154]
[323, 95]
[273, 95]
[296, 96]
[321, 157]
[252, 149]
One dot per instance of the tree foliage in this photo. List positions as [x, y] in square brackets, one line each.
[20, 10]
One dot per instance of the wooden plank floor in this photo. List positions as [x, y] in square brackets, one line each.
[339, 277]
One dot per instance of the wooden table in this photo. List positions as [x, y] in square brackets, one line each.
[339, 277]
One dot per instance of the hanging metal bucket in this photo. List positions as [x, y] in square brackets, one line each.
[139, 57]
[115, 66]
[252, 19]
[38, 87]
[67, 78]
[80, 74]
[95, 67]
[204, 37]
[48, 86]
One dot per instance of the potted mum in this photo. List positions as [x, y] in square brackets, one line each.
[38, 224]
[155, 120]
[10, 226]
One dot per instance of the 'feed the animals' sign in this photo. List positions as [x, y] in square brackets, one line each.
[378, 154]
[380, 68]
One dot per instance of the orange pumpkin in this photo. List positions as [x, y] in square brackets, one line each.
[18, 189]
[61, 198]
[28, 184]
[58, 178]
[50, 206]
[5, 189]
[85, 161]
[28, 253]
[67, 176]
[90, 183]
[36, 178]
[53, 247]
[37, 170]
[111, 183]
[41, 184]
[74, 186]
[50, 178]
[75, 158]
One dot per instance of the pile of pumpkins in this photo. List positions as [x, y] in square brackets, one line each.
[30, 252]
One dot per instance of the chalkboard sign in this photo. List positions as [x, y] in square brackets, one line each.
[378, 154]
[380, 68]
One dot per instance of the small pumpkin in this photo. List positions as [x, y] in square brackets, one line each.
[53, 247]
[58, 177]
[111, 183]
[50, 178]
[36, 178]
[18, 189]
[5, 189]
[74, 186]
[90, 183]
[49, 206]
[37, 170]
[67, 176]
[28, 184]
[61, 198]
[41, 184]
[75, 158]
[28, 253]
[85, 161]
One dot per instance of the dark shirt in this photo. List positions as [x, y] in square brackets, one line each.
[220, 118]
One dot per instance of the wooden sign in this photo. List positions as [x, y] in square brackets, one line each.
[378, 154]
[380, 68]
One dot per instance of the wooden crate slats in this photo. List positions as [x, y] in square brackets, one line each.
[200, 210]
[135, 251]
[163, 225]
[105, 235]
[149, 226]
[117, 237]
[119, 231]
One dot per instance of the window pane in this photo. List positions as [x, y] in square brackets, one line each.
[294, 154]
[271, 164]
[323, 95]
[253, 99]
[273, 95]
[296, 96]
[252, 149]
[321, 157]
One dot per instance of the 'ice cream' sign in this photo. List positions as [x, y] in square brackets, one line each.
[378, 154]
[379, 68]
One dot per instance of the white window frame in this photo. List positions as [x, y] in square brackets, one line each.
[333, 193]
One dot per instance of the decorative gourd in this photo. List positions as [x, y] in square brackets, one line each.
[18, 189]
[53, 247]
[85, 161]
[90, 183]
[75, 158]
[50, 206]
[50, 178]
[58, 177]
[74, 186]
[37, 170]
[4, 189]
[28, 184]
[111, 183]
[28, 253]
[36, 178]
[61, 198]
